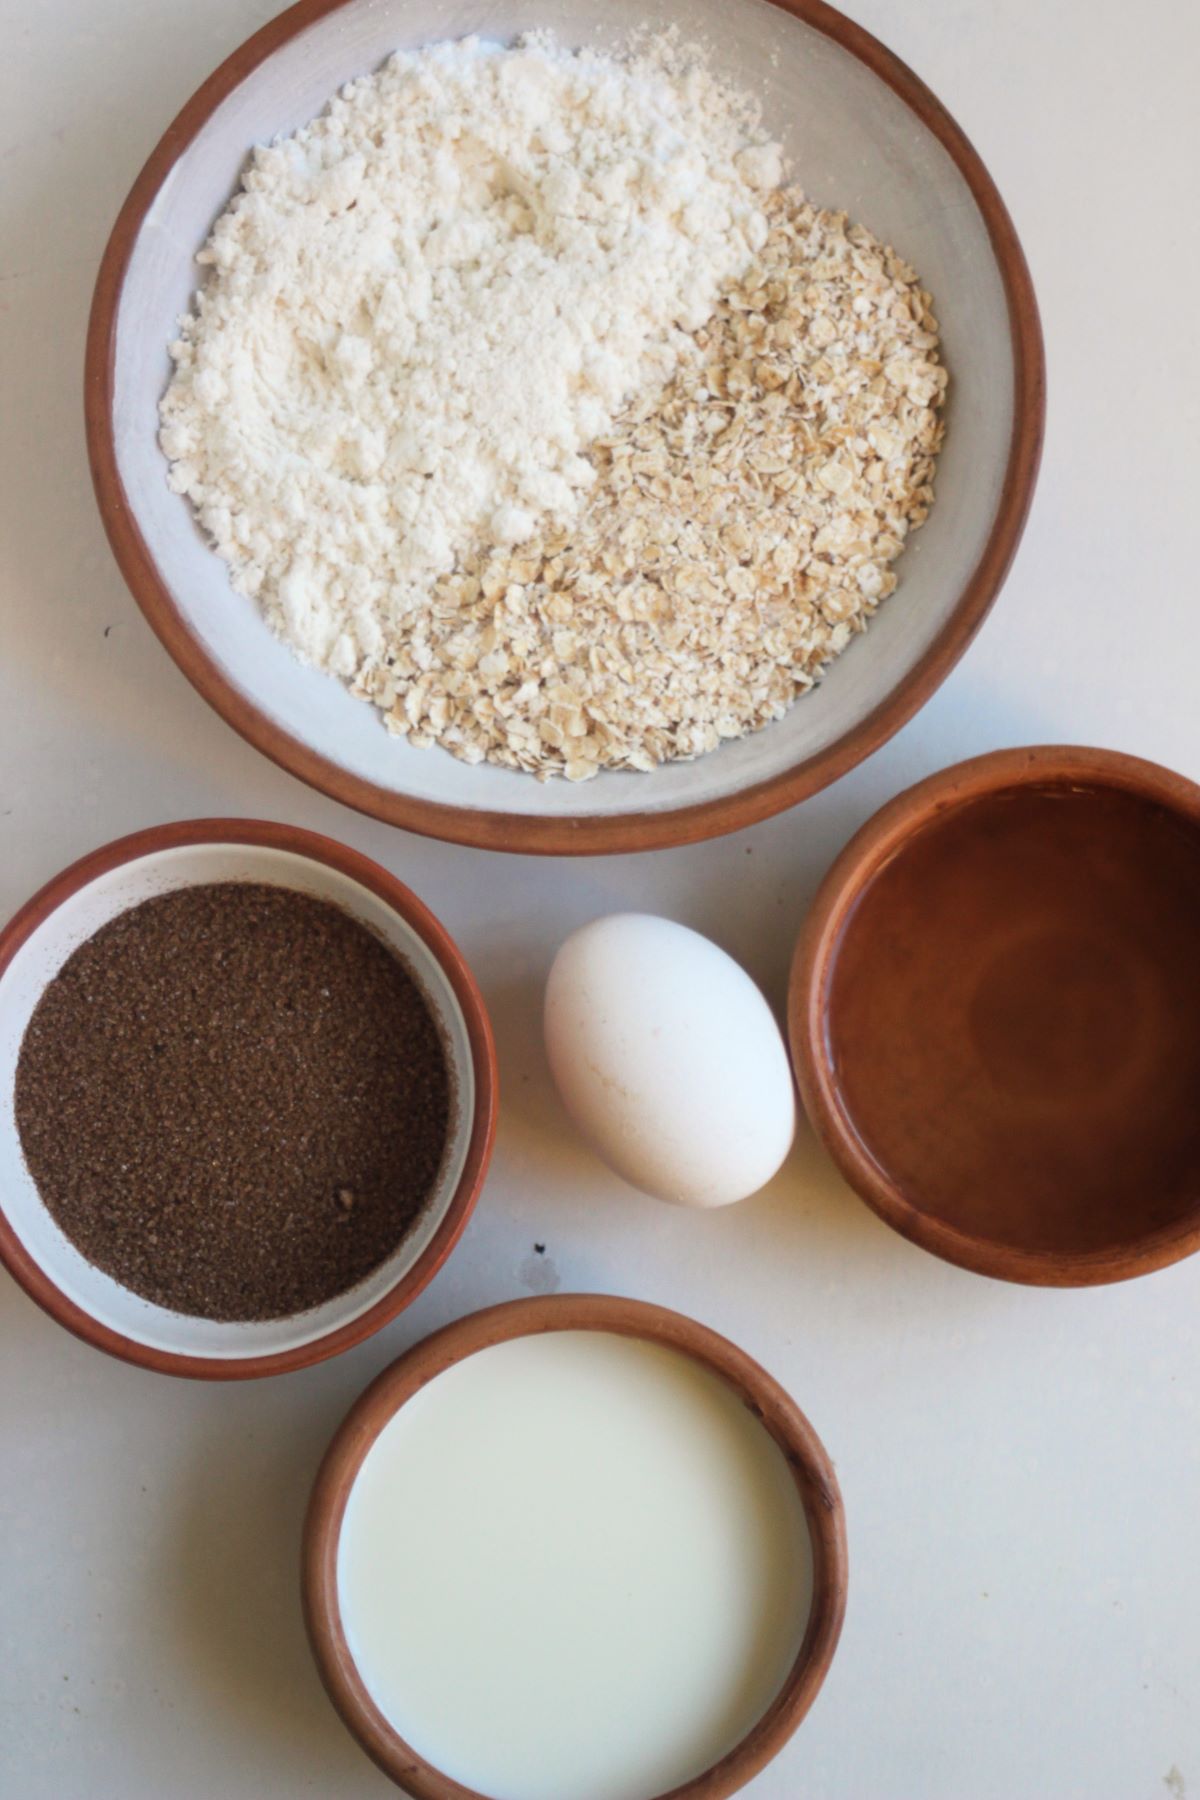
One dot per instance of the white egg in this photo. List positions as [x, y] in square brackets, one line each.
[669, 1060]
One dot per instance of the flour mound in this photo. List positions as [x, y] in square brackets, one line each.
[423, 307]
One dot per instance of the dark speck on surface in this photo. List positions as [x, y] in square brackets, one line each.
[540, 1248]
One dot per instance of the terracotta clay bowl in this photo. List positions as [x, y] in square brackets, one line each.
[865, 135]
[806, 1458]
[995, 1015]
[33, 947]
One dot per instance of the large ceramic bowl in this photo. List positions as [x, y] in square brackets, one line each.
[865, 135]
[70, 909]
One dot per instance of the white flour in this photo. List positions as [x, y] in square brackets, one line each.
[426, 304]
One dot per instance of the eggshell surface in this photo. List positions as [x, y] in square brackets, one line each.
[669, 1060]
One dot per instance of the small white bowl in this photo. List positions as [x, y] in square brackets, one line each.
[865, 135]
[33, 948]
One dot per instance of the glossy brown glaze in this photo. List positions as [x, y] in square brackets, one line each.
[996, 1015]
[30, 1274]
[581, 834]
[811, 1469]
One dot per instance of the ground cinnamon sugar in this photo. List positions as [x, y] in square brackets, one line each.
[234, 1099]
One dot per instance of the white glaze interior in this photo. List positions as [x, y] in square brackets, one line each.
[36, 964]
[855, 145]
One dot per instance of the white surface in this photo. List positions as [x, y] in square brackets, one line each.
[669, 1060]
[1021, 1469]
[884, 167]
[574, 1567]
[37, 963]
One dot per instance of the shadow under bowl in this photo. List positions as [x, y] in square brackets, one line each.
[994, 1015]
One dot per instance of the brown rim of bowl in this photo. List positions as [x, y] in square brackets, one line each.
[618, 832]
[778, 1412]
[816, 949]
[264, 835]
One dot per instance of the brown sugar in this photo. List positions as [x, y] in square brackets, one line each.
[234, 1099]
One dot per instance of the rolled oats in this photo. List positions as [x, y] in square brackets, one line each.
[739, 532]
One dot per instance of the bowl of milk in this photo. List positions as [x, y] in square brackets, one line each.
[574, 1548]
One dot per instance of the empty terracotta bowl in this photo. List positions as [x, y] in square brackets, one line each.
[995, 1015]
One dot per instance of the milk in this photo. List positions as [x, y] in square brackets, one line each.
[574, 1567]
